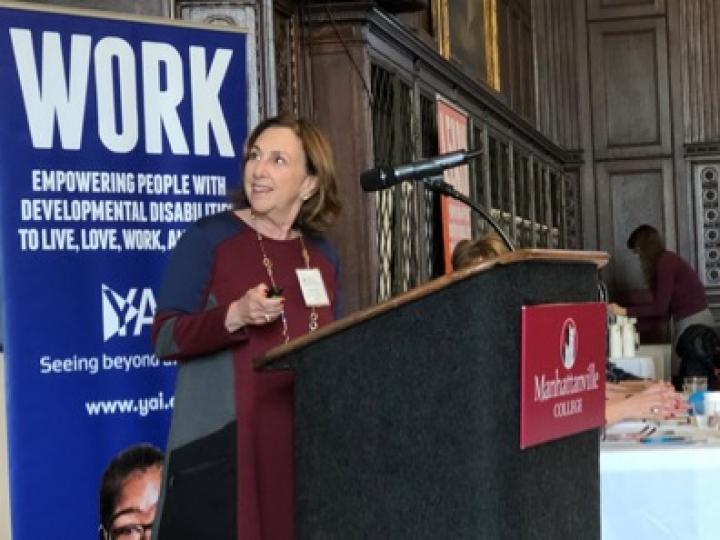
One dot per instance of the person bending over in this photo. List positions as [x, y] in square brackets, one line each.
[677, 292]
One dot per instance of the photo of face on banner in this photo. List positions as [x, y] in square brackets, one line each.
[129, 492]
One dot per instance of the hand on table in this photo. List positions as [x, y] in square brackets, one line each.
[659, 401]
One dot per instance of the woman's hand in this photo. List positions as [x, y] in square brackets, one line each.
[615, 309]
[658, 401]
[253, 308]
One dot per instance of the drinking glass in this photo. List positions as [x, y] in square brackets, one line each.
[694, 384]
[712, 409]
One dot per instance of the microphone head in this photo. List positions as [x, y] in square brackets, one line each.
[378, 178]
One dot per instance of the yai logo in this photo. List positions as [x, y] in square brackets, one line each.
[131, 311]
[568, 343]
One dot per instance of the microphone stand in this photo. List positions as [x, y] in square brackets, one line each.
[436, 183]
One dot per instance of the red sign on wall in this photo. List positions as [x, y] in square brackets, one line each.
[455, 215]
[563, 370]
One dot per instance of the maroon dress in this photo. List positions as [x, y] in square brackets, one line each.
[223, 268]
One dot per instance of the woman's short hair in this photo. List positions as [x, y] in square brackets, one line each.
[469, 252]
[320, 210]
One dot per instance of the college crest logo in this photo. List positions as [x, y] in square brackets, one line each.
[568, 343]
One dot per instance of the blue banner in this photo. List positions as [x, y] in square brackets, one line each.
[115, 135]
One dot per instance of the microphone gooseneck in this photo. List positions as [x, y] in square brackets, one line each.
[439, 185]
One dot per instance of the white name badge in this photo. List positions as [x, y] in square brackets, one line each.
[313, 287]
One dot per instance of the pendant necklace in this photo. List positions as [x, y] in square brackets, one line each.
[267, 263]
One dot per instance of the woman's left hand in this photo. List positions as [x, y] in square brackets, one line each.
[255, 307]
[660, 401]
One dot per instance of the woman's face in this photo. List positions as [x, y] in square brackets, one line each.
[276, 177]
[135, 509]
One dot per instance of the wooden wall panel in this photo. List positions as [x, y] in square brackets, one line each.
[556, 72]
[338, 86]
[613, 9]
[700, 53]
[630, 92]
[522, 98]
[286, 45]
[516, 56]
[629, 194]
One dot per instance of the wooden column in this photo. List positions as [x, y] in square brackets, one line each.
[340, 66]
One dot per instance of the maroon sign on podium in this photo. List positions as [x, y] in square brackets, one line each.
[563, 370]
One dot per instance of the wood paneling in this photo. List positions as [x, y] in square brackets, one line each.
[630, 194]
[700, 53]
[341, 107]
[556, 52]
[630, 92]
[286, 45]
[521, 96]
[516, 56]
[613, 9]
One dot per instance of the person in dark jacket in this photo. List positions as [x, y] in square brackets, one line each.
[699, 350]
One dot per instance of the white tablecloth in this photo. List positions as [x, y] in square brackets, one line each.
[660, 491]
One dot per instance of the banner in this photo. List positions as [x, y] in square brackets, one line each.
[453, 135]
[563, 370]
[115, 135]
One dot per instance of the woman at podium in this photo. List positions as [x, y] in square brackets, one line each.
[237, 284]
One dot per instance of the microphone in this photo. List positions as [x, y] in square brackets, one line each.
[386, 176]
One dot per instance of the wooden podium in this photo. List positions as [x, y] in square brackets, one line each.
[407, 414]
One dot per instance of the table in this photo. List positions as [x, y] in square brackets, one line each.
[641, 366]
[661, 491]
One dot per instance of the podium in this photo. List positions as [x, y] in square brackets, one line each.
[407, 414]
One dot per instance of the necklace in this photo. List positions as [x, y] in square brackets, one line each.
[267, 263]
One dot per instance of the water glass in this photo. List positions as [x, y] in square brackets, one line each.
[712, 409]
[694, 384]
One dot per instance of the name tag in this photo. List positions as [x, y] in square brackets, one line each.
[312, 287]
